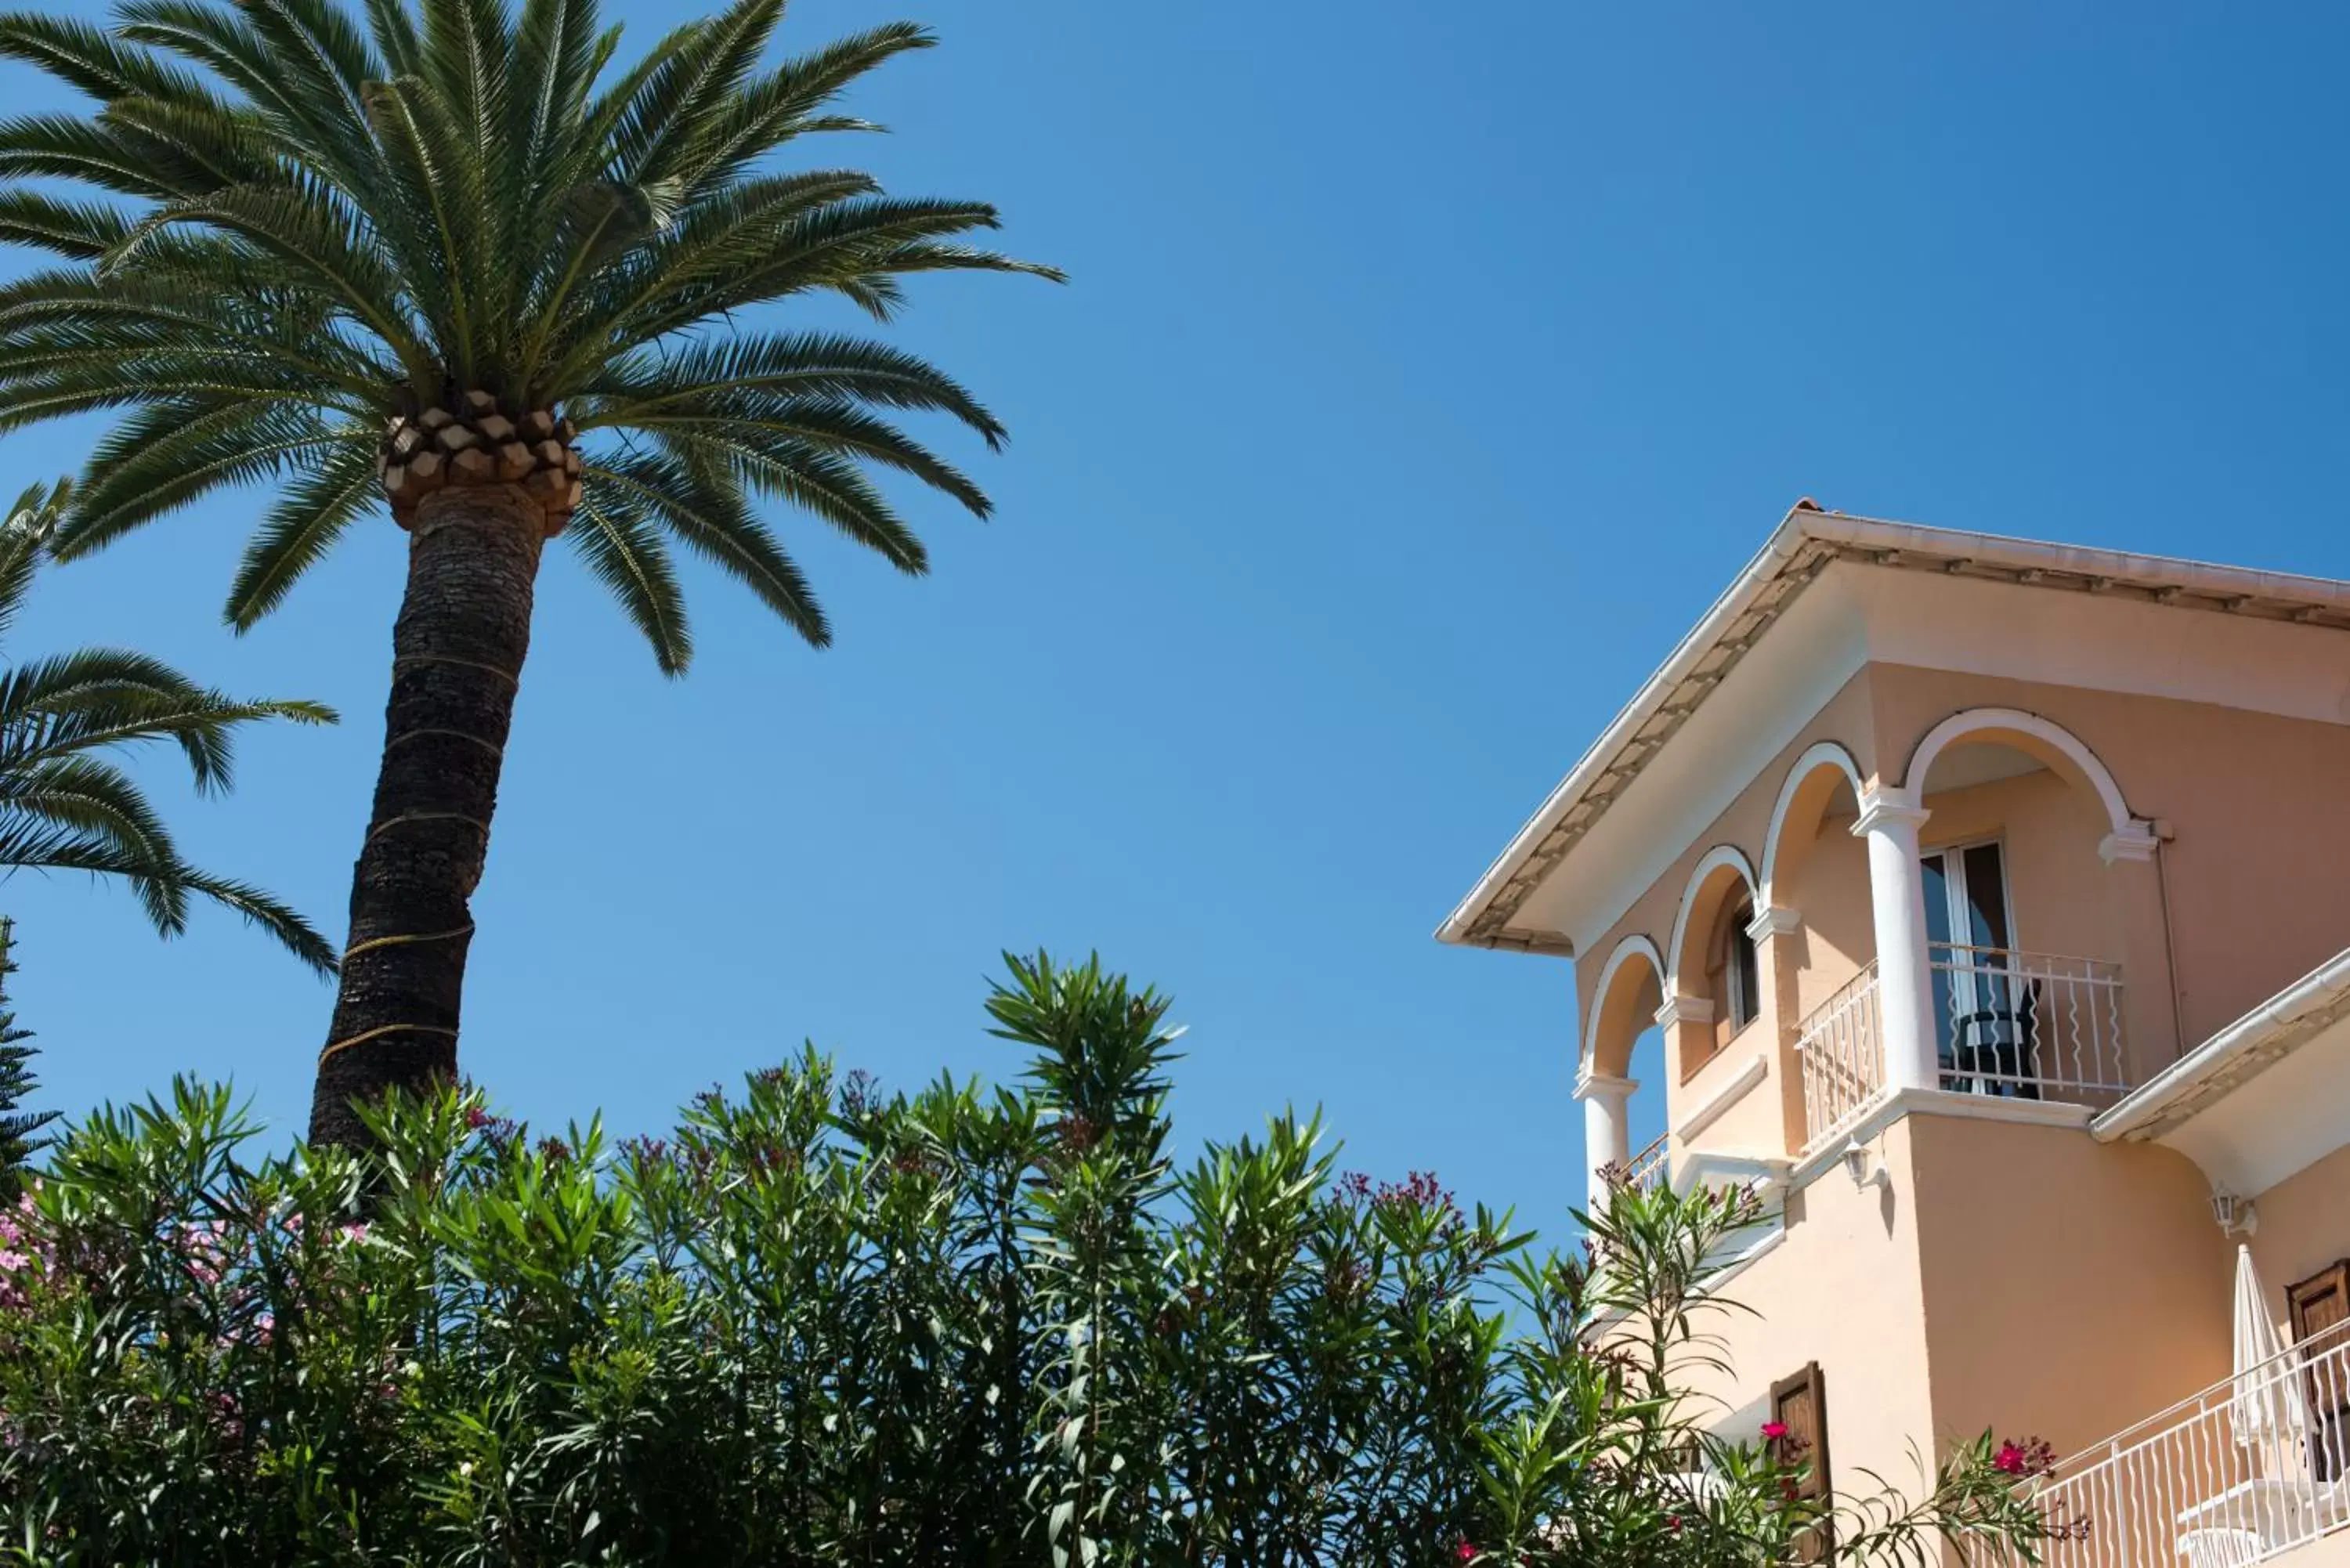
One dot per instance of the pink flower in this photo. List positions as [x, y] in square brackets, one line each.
[355, 1231]
[1773, 1430]
[2009, 1458]
[1464, 1553]
[12, 1261]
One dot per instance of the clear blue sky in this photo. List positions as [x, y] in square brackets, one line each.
[1425, 373]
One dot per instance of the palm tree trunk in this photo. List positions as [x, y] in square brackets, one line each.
[457, 655]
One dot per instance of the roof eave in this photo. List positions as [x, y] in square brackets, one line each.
[2268, 1032]
[1777, 551]
[2166, 579]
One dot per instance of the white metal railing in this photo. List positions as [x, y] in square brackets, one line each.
[1843, 1053]
[2242, 1472]
[2028, 1025]
[1648, 1165]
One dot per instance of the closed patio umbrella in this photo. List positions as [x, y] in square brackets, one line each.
[2265, 1406]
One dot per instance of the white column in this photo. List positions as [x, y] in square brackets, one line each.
[1607, 1128]
[1897, 895]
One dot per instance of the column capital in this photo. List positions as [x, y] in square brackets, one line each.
[1684, 1010]
[1777, 921]
[2138, 841]
[1887, 808]
[1603, 1086]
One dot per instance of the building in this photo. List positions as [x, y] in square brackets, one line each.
[1991, 899]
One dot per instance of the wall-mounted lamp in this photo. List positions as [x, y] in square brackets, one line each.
[1862, 1166]
[2237, 1217]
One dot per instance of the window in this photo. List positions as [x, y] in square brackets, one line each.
[1731, 968]
[1986, 1018]
[1745, 987]
[1966, 896]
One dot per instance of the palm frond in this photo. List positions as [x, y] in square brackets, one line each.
[812, 365]
[91, 59]
[161, 887]
[271, 913]
[616, 535]
[24, 534]
[167, 455]
[702, 505]
[29, 844]
[100, 698]
[299, 530]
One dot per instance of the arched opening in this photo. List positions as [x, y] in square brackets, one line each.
[1622, 1078]
[1624, 1004]
[1713, 957]
[2027, 923]
[1821, 791]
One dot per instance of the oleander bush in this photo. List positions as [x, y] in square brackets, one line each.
[818, 1323]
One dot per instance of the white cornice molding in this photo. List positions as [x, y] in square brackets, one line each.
[1684, 1010]
[1601, 1086]
[2138, 844]
[1777, 921]
[1902, 1103]
[1767, 1174]
[1718, 1104]
[1887, 807]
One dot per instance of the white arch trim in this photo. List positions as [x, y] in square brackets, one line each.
[1713, 860]
[1626, 950]
[1819, 754]
[2131, 838]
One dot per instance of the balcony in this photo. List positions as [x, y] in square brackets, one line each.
[1647, 1167]
[1842, 1048]
[2028, 1025]
[2240, 1474]
[2006, 1023]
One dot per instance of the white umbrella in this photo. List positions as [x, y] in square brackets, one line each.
[2265, 1406]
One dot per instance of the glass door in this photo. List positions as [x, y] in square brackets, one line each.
[1984, 1021]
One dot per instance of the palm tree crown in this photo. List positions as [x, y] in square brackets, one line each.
[309, 231]
[455, 256]
[64, 806]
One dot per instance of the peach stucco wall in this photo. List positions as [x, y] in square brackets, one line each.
[2021, 1279]
[2259, 873]
[2305, 1225]
[1842, 1289]
[2071, 1287]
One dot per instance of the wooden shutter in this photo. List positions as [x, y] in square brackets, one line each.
[2320, 1303]
[2320, 1325]
[1800, 1403]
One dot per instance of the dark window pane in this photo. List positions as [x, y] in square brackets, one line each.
[1745, 983]
[1986, 897]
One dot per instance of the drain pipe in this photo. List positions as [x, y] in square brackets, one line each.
[2164, 835]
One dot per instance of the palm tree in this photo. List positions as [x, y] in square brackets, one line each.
[65, 808]
[457, 258]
